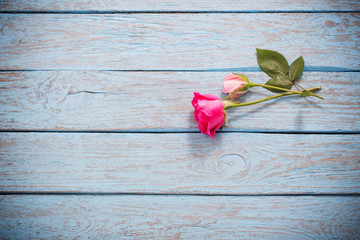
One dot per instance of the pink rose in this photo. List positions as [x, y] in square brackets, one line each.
[209, 113]
[234, 83]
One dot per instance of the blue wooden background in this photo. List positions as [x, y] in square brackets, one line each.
[98, 140]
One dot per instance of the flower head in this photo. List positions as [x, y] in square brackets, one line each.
[209, 113]
[235, 84]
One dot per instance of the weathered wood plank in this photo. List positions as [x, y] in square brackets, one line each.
[176, 217]
[176, 41]
[171, 5]
[239, 163]
[160, 101]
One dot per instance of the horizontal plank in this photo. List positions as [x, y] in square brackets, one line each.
[231, 163]
[171, 5]
[176, 41]
[160, 101]
[175, 217]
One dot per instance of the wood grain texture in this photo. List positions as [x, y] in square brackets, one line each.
[169, 217]
[176, 41]
[176, 5]
[235, 163]
[161, 101]
[124, 179]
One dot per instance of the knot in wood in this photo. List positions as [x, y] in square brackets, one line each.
[231, 164]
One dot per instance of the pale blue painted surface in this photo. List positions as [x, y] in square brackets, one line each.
[231, 163]
[175, 41]
[175, 5]
[116, 101]
[278, 168]
[179, 217]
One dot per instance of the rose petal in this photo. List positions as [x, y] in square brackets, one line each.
[237, 94]
[215, 123]
[210, 108]
[200, 116]
[194, 102]
[231, 86]
[208, 97]
[231, 77]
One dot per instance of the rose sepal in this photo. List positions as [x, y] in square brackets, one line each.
[228, 104]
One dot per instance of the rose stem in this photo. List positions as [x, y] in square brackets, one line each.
[287, 90]
[269, 98]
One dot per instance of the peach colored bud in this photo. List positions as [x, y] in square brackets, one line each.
[233, 84]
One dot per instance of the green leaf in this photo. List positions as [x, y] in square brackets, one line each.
[296, 68]
[272, 63]
[304, 94]
[280, 81]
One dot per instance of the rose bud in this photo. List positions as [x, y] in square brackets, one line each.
[209, 113]
[236, 85]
